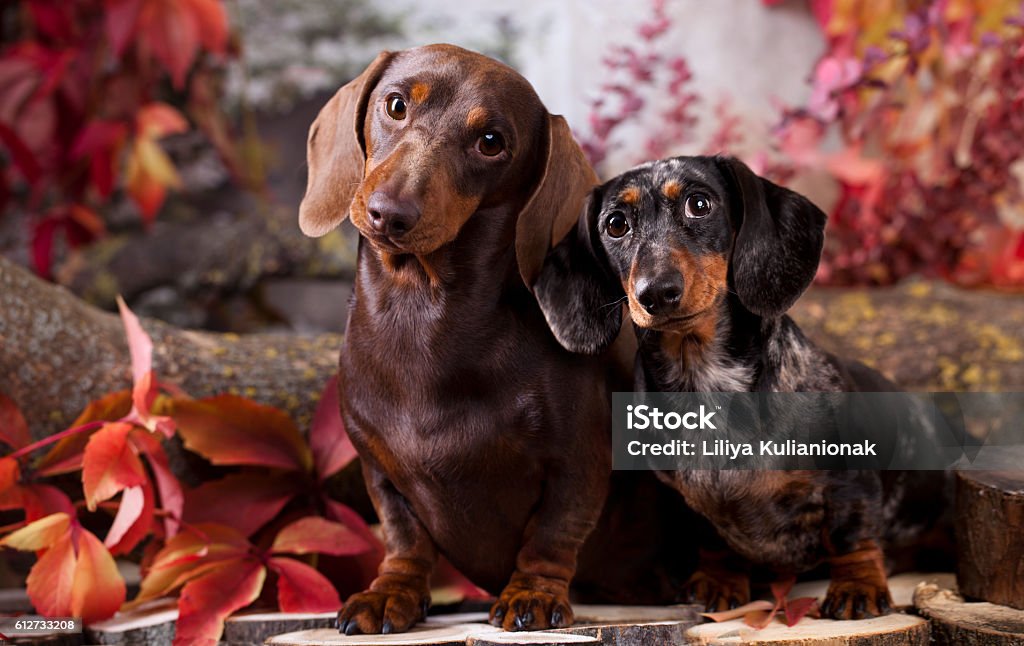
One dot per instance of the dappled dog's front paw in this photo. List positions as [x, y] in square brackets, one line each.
[373, 612]
[717, 589]
[524, 606]
[856, 600]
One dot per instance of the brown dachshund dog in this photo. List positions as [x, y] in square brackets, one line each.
[481, 438]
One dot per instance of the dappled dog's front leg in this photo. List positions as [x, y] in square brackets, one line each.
[537, 595]
[400, 595]
[859, 587]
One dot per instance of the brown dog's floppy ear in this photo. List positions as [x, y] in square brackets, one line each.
[580, 296]
[556, 201]
[778, 247]
[336, 154]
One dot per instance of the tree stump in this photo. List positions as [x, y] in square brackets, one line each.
[990, 536]
[253, 629]
[956, 622]
[152, 624]
[891, 630]
[599, 625]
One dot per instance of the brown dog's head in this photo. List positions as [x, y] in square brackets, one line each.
[426, 137]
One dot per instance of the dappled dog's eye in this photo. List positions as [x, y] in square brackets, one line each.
[698, 205]
[395, 107]
[490, 144]
[616, 224]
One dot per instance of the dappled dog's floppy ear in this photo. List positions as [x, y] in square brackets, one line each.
[778, 246]
[335, 152]
[556, 201]
[580, 296]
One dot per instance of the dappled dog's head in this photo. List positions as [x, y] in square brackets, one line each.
[671, 239]
[425, 138]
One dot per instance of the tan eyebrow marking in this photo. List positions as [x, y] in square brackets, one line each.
[630, 195]
[420, 92]
[477, 117]
[671, 189]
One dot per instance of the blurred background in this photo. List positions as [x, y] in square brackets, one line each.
[156, 148]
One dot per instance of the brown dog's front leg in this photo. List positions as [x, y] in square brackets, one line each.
[859, 587]
[721, 582]
[400, 595]
[537, 595]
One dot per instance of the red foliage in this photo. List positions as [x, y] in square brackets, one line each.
[81, 109]
[758, 614]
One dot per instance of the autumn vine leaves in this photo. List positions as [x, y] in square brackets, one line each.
[215, 544]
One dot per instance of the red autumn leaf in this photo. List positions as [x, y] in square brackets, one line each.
[10, 490]
[100, 141]
[300, 588]
[736, 613]
[13, 428]
[119, 21]
[313, 534]
[208, 600]
[140, 347]
[797, 609]
[455, 583]
[51, 18]
[156, 120]
[213, 24]
[351, 519]
[50, 580]
[168, 29]
[331, 446]
[66, 454]
[21, 155]
[110, 464]
[172, 498]
[243, 501]
[184, 557]
[231, 430]
[133, 521]
[42, 500]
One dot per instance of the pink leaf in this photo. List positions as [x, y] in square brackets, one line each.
[313, 534]
[131, 524]
[140, 346]
[300, 588]
[332, 448]
[797, 609]
[172, 498]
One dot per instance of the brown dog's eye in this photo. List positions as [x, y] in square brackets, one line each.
[698, 205]
[616, 224]
[490, 144]
[395, 107]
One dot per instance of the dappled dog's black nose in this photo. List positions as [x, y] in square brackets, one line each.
[394, 218]
[661, 294]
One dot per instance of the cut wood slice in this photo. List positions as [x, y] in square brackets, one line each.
[956, 622]
[151, 623]
[426, 634]
[901, 587]
[891, 630]
[544, 638]
[255, 627]
[990, 534]
[634, 625]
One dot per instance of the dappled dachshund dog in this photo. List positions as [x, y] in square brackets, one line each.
[481, 438]
[708, 256]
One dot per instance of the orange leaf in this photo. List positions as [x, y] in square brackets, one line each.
[736, 613]
[40, 534]
[10, 492]
[313, 534]
[244, 501]
[98, 589]
[213, 24]
[51, 579]
[183, 555]
[134, 520]
[110, 464]
[300, 588]
[66, 454]
[230, 430]
[156, 120]
[169, 30]
[140, 347]
[331, 446]
[208, 600]
[42, 500]
[13, 428]
[759, 618]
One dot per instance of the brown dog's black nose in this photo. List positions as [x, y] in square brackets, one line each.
[394, 218]
[661, 294]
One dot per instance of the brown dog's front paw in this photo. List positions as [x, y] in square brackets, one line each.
[373, 612]
[521, 607]
[856, 600]
[717, 589]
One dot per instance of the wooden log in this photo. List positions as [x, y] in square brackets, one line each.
[253, 629]
[425, 634]
[990, 536]
[891, 630]
[956, 622]
[151, 624]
